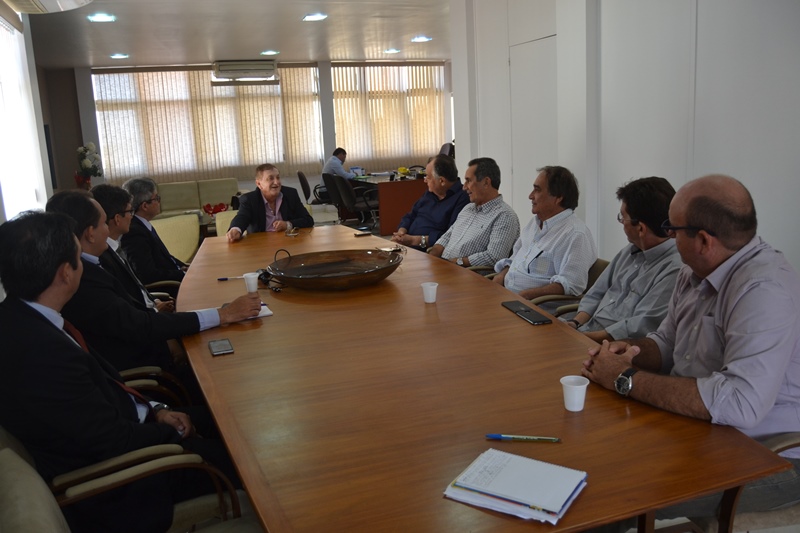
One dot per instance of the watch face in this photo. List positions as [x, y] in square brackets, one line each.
[623, 385]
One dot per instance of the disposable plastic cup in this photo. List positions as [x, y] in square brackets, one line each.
[429, 292]
[574, 392]
[251, 281]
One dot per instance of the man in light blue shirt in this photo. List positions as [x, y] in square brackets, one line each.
[630, 298]
[556, 249]
[334, 165]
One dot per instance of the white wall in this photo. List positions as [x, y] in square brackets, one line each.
[677, 88]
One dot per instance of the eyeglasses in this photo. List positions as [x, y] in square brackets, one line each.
[670, 230]
[155, 198]
[127, 211]
[621, 220]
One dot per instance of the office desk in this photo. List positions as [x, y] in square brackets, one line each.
[351, 411]
[395, 199]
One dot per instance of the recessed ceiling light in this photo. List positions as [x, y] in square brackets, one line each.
[313, 17]
[119, 56]
[421, 39]
[270, 53]
[101, 17]
[391, 51]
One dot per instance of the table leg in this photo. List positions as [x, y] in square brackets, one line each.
[646, 523]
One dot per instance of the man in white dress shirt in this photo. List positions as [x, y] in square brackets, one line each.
[556, 249]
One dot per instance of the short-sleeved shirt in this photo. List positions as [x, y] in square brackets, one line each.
[560, 251]
[484, 234]
[738, 332]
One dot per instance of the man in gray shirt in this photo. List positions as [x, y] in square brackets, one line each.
[630, 298]
[486, 229]
[729, 349]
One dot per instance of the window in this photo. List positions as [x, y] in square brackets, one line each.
[174, 126]
[389, 115]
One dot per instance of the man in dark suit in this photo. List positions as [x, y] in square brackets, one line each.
[146, 252]
[119, 327]
[271, 207]
[63, 401]
[116, 202]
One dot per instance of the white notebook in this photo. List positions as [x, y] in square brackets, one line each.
[518, 485]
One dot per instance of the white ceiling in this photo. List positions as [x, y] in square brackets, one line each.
[186, 32]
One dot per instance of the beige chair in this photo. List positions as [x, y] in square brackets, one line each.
[217, 191]
[180, 234]
[28, 504]
[223, 221]
[594, 272]
[179, 198]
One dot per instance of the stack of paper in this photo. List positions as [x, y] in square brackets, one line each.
[518, 485]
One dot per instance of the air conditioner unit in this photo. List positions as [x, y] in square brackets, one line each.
[236, 70]
[45, 6]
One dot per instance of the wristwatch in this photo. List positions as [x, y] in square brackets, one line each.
[624, 382]
[158, 407]
[460, 261]
[424, 242]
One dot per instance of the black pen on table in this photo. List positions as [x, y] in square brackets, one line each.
[230, 277]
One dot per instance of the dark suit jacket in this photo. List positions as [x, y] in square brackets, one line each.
[62, 402]
[252, 214]
[112, 263]
[148, 256]
[122, 329]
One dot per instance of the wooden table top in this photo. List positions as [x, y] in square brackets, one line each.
[352, 411]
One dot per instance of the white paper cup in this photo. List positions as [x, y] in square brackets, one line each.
[251, 281]
[429, 292]
[574, 392]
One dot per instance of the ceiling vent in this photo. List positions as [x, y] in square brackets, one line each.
[36, 7]
[242, 70]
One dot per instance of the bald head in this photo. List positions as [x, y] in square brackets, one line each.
[721, 205]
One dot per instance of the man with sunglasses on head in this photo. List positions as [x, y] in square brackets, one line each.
[631, 296]
[729, 349]
[146, 252]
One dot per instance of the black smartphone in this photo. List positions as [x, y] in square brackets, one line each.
[362, 233]
[220, 347]
[526, 313]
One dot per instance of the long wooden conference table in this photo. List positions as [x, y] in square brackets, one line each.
[352, 411]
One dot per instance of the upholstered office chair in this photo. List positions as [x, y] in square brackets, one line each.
[594, 272]
[223, 221]
[28, 504]
[180, 234]
[333, 192]
[358, 199]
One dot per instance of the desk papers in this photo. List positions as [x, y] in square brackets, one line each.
[517, 485]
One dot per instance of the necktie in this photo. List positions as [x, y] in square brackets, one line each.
[121, 260]
[73, 332]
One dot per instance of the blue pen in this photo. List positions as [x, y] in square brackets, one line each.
[498, 436]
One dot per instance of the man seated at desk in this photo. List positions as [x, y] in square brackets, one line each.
[66, 404]
[334, 165]
[556, 249]
[438, 208]
[729, 349]
[271, 207]
[486, 229]
[631, 296]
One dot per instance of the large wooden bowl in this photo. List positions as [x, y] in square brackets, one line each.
[335, 270]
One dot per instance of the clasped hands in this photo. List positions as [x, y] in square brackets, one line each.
[180, 421]
[608, 360]
[400, 236]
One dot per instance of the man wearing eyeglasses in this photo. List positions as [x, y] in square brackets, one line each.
[631, 296]
[729, 349]
[146, 252]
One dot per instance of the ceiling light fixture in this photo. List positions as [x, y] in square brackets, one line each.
[314, 17]
[421, 39]
[119, 56]
[101, 17]
[391, 51]
[270, 53]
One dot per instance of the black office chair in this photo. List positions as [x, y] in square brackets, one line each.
[359, 200]
[333, 192]
[307, 189]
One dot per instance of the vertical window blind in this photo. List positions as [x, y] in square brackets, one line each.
[173, 125]
[389, 115]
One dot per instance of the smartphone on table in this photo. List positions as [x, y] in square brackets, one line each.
[526, 313]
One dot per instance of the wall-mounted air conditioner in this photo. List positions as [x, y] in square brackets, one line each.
[237, 70]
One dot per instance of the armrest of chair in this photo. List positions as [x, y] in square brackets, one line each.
[161, 377]
[564, 309]
[554, 298]
[151, 385]
[81, 475]
[783, 442]
[484, 270]
[163, 284]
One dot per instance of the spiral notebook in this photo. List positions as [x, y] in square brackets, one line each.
[518, 485]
